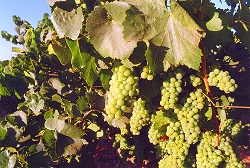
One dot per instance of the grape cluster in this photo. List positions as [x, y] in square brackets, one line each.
[123, 129]
[222, 80]
[189, 116]
[207, 155]
[146, 74]
[195, 80]
[230, 157]
[222, 156]
[140, 117]
[175, 147]
[122, 142]
[154, 135]
[171, 89]
[230, 127]
[123, 85]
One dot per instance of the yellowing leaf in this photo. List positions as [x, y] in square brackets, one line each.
[215, 24]
[106, 34]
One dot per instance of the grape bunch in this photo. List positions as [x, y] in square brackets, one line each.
[140, 117]
[195, 80]
[123, 86]
[175, 147]
[154, 135]
[222, 156]
[230, 158]
[146, 74]
[207, 155]
[171, 89]
[222, 80]
[122, 142]
[230, 127]
[189, 116]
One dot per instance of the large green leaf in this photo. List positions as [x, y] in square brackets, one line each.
[150, 20]
[105, 31]
[185, 50]
[145, 19]
[75, 133]
[67, 24]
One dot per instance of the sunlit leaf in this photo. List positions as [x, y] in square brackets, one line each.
[106, 33]
[151, 21]
[57, 84]
[181, 50]
[215, 24]
[67, 24]
[82, 103]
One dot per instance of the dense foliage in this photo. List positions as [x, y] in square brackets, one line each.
[171, 77]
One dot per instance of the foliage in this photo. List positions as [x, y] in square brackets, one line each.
[55, 95]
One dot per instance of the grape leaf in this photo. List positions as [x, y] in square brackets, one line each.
[155, 55]
[83, 61]
[105, 32]
[3, 133]
[4, 91]
[242, 25]
[150, 20]
[66, 129]
[89, 71]
[145, 19]
[183, 51]
[215, 24]
[67, 23]
[60, 48]
[160, 119]
[7, 160]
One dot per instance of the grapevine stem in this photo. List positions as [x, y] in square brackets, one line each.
[210, 95]
[204, 76]
[229, 107]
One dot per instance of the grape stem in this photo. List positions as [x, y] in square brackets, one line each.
[210, 95]
[225, 107]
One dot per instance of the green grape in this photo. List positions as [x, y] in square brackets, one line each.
[222, 80]
[123, 86]
[230, 127]
[122, 141]
[189, 116]
[140, 116]
[146, 74]
[195, 80]
[222, 156]
[124, 129]
[207, 155]
[154, 135]
[170, 89]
